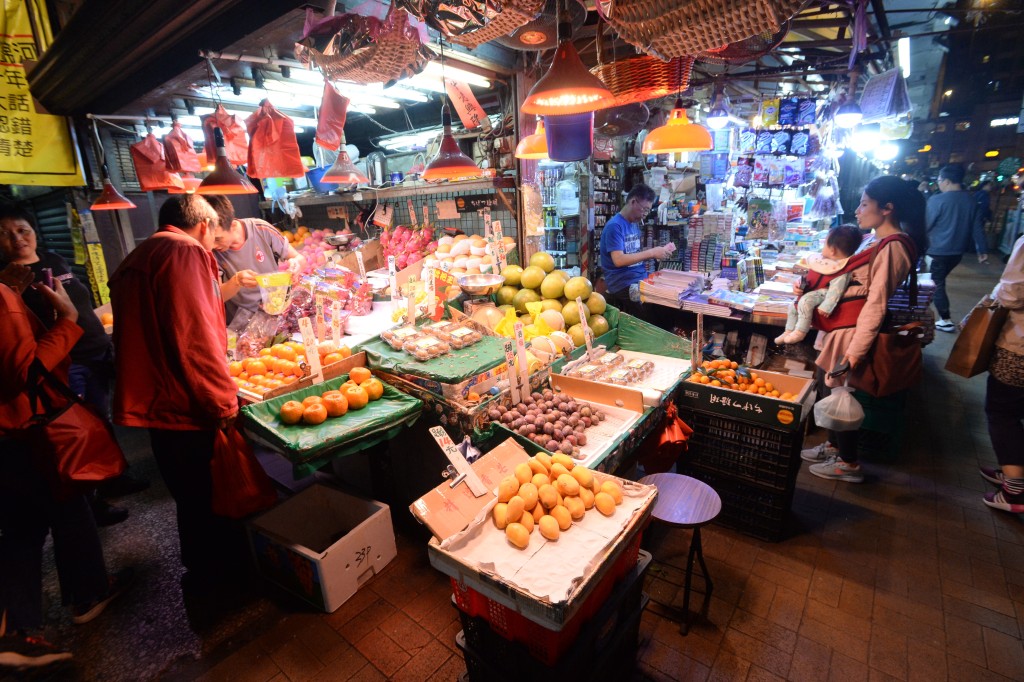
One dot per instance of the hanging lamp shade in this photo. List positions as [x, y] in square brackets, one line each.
[678, 135]
[344, 172]
[110, 199]
[224, 179]
[848, 114]
[568, 87]
[191, 184]
[533, 146]
[450, 163]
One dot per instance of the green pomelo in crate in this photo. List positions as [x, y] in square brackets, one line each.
[576, 334]
[598, 325]
[596, 304]
[553, 319]
[523, 297]
[526, 319]
[532, 277]
[578, 287]
[506, 294]
[571, 313]
[544, 261]
[561, 273]
[512, 273]
[552, 286]
[504, 308]
[552, 304]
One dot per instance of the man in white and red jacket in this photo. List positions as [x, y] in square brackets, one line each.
[172, 378]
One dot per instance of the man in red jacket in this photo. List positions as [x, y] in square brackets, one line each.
[172, 375]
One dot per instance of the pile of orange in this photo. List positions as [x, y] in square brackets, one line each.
[279, 365]
[733, 376]
[355, 394]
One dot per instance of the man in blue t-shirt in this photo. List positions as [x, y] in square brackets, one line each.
[622, 259]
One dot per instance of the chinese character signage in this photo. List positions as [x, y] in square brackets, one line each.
[469, 110]
[35, 149]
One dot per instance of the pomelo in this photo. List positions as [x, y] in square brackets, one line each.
[553, 319]
[598, 325]
[578, 287]
[543, 260]
[571, 313]
[576, 334]
[552, 286]
[532, 277]
[512, 273]
[596, 304]
[506, 294]
[551, 304]
[523, 297]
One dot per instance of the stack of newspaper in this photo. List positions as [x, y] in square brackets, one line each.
[670, 287]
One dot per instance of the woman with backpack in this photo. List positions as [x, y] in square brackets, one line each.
[894, 211]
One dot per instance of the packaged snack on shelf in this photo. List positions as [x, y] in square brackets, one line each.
[622, 376]
[640, 366]
[457, 335]
[611, 360]
[589, 371]
[399, 336]
[426, 347]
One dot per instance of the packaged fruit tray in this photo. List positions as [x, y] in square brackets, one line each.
[312, 444]
[451, 368]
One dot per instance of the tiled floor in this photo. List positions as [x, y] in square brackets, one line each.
[906, 577]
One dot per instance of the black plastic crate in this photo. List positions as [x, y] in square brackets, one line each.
[593, 638]
[748, 508]
[613, 662]
[754, 453]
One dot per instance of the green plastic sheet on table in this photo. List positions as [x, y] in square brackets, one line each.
[309, 447]
[450, 368]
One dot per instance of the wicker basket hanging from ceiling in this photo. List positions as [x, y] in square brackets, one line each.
[368, 50]
[640, 78]
[513, 14]
[746, 50]
[673, 28]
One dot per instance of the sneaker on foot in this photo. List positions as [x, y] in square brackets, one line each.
[992, 475]
[837, 470]
[946, 326]
[23, 651]
[119, 582]
[1001, 500]
[819, 453]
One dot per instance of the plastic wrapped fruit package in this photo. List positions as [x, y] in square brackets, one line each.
[455, 334]
[611, 360]
[640, 366]
[398, 337]
[623, 376]
[426, 348]
[589, 371]
[274, 291]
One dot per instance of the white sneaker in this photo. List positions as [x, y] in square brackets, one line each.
[946, 326]
[837, 470]
[819, 453]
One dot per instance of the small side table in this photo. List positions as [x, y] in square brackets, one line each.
[685, 502]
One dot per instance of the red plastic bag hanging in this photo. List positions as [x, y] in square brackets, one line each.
[151, 166]
[273, 149]
[240, 485]
[333, 111]
[666, 444]
[180, 152]
[234, 137]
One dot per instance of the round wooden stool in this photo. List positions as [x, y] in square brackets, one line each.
[685, 502]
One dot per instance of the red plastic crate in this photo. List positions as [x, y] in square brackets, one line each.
[545, 644]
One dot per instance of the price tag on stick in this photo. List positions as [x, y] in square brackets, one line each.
[312, 352]
[336, 323]
[362, 266]
[510, 371]
[524, 369]
[393, 273]
[412, 214]
[321, 321]
[588, 335]
[465, 471]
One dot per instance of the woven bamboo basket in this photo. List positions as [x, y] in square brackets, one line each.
[514, 13]
[673, 28]
[640, 78]
[396, 52]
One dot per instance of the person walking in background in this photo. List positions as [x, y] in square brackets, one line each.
[92, 358]
[29, 510]
[982, 215]
[893, 210]
[950, 219]
[1004, 398]
[172, 377]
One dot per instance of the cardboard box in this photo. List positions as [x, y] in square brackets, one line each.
[447, 509]
[373, 257]
[323, 544]
[779, 414]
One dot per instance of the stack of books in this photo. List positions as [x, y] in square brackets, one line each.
[670, 287]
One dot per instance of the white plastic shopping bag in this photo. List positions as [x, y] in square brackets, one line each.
[840, 411]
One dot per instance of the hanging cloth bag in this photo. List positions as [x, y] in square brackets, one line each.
[179, 151]
[333, 111]
[273, 148]
[240, 485]
[74, 444]
[151, 166]
[235, 144]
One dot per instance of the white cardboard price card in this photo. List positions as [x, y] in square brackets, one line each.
[454, 455]
[336, 323]
[524, 365]
[587, 333]
[393, 273]
[410, 309]
[362, 265]
[312, 352]
[412, 214]
[513, 378]
[321, 320]
[447, 210]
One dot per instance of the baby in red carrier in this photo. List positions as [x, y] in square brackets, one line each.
[841, 243]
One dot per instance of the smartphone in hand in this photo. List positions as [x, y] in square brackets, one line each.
[48, 277]
[839, 370]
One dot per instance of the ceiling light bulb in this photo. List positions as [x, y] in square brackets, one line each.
[848, 115]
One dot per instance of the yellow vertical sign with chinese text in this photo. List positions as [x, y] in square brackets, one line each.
[35, 149]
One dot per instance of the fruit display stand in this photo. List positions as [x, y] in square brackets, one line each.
[309, 447]
[522, 594]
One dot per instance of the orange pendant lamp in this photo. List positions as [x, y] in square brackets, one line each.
[678, 135]
[534, 146]
[110, 199]
[344, 172]
[191, 185]
[568, 87]
[224, 179]
[450, 163]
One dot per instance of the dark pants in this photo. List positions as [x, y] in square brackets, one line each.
[940, 268]
[846, 441]
[28, 511]
[91, 380]
[657, 315]
[1004, 408]
[209, 543]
